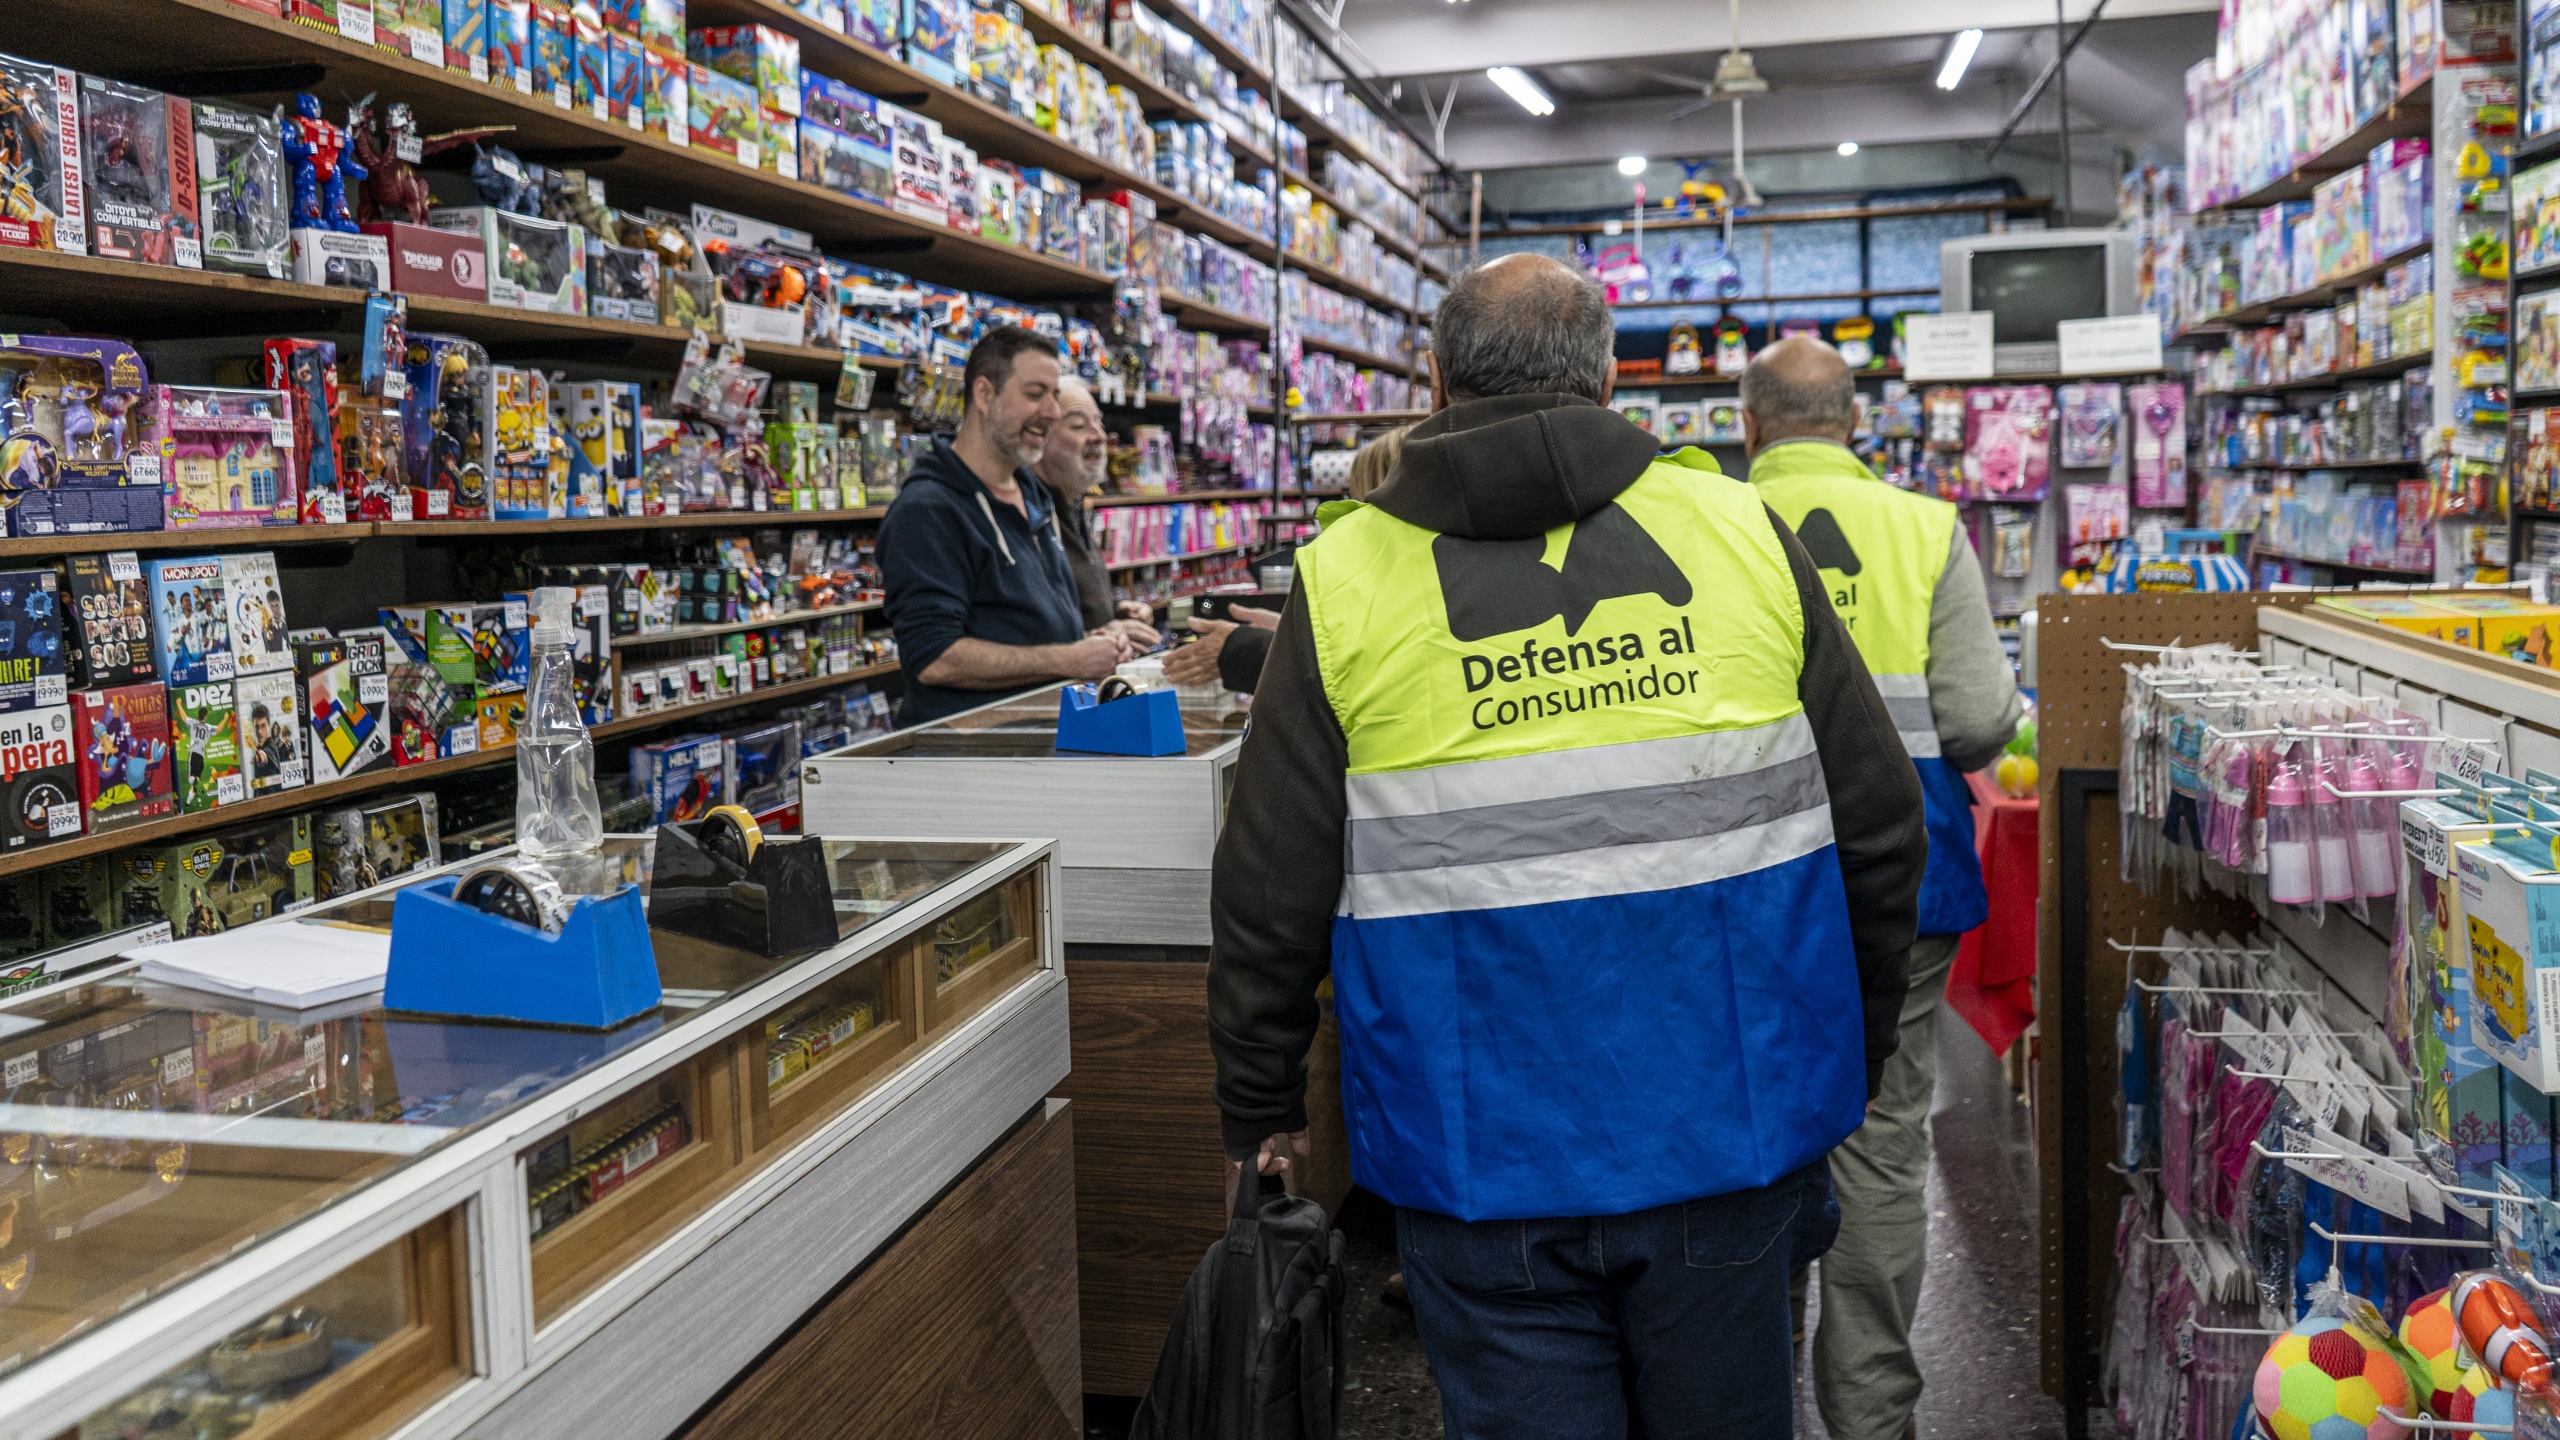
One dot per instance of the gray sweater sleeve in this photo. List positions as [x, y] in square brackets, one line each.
[1973, 695]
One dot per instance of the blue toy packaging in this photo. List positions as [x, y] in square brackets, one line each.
[932, 32]
[510, 38]
[466, 37]
[591, 88]
[628, 63]
[680, 779]
[874, 22]
[31, 654]
[551, 52]
[190, 625]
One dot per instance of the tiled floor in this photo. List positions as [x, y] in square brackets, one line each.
[1977, 1329]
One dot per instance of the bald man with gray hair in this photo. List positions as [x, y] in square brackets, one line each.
[1900, 573]
[1564, 773]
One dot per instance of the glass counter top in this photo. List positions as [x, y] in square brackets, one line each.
[1026, 726]
[147, 1131]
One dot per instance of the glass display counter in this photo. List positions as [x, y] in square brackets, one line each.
[177, 1168]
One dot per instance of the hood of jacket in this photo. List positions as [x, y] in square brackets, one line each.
[943, 466]
[1512, 466]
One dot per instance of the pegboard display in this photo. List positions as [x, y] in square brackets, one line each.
[2080, 682]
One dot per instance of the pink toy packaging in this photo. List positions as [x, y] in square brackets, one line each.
[223, 456]
[2159, 444]
[2008, 441]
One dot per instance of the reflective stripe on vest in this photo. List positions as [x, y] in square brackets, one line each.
[1881, 552]
[1592, 952]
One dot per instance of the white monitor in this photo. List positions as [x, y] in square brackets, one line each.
[2031, 280]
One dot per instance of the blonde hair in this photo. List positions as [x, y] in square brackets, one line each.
[1375, 462]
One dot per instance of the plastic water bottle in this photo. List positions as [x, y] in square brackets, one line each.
[558, 819]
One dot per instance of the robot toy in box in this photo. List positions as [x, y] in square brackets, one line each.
[44, 199]
[66, 404]
[220, 467]
[534, 264]
[622, 283]
[240, 190]
[138, 149]
[446, 427]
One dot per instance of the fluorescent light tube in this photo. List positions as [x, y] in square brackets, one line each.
[1960, 50]
[1517, 84]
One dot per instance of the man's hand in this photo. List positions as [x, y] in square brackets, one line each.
[1197, 662]
[1138, 633]
[1274, 1159]
[1258, 619]
[1094, 657]
[1137, 610]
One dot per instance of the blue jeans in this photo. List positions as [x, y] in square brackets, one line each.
[1662, 1325]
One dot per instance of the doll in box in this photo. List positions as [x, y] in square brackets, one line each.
[64, 408]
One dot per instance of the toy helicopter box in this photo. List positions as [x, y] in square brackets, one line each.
[32, 662]
[39, 778]
[48, 208]
[2507, 899]
[125, 774]
[532, 263]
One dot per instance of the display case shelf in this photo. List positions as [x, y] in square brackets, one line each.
[2412, 113]
[1348, 211]
[2378, 370]
[268, 537]
[1357, 356]
[2318, 295]
[734, 627]
[1185, 555]
[1184, 498]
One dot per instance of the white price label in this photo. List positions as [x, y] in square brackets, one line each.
[355, 21]
[480, 68]
[463, 740]
[280, 433]
[748, 155]
[18, 1070]
[51, 690]
[560, 95]
[409, 150]
[514, 613]
[294, 773]
[177, 1065]
[157, 933]
[188, 251]
[230, 790]
[61, 820]
[395, 385]
[631, 117]
[524, 82]
[600, 107]
[439, 504]
[125, 565]
[142, 467]
[2469, 763]
[218, 665]
[426, 45]
[315, 1046]
[402, 508]
[333, 508]
[373, 690]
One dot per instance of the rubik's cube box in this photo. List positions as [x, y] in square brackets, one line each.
[211, 883]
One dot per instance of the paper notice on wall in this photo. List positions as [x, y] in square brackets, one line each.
[2113, 345]
[1947, 347]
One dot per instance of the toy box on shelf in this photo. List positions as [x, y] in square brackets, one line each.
[138, 152]
[223, 455]
[49, 204]
[240, 190]
[533, 263]
[66, 407]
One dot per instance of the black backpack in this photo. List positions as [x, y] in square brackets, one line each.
[1255, 1352]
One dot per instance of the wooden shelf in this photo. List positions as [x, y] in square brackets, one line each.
[1321, 131]
[271, 536]
[391, 777]
[1327, 275]
[2332, 465]
[1249, 76]
[2317, 295]
[1356, 355]
[1700, 302]
[2377, 370]
[737, 627]
[1153, 96]
[2411, 114]
[1185, 498]
[1393, 241]
[227, 49]
[1370, 417]
[1185, 555]
[2016, 206]
[2257, 552]
[1200, 315]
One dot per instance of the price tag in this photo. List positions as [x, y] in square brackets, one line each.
[355, 20]
[480, 68]
[401, 508]
[230, 790]
[333, 508]
[295, 774]
[280, 433]
[189, 252]
[158, 933]
[524, 82]
[463, 740]
[2470, 762]
[125, 564]
[598, 107]
[50, 690]
[560, 96]
[373, 689]
[177, 1065]
[218, 665]
[61, 820]
[439, 504]
[18, 1070]
[143, 467]
[426, 45]
[409, 149]
[395, 385]
[749, 155]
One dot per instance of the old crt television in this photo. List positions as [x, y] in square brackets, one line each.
[2030, 281]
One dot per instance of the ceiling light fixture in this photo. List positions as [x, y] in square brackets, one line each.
[1516, 83]
[1960, 48]
[1848, 147]
[1631, 165]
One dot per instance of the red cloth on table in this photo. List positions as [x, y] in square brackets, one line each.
[1993, 981]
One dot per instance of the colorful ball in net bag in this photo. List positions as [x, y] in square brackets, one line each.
[2479, 1401]
[2431, 1334]
[2323, 1380]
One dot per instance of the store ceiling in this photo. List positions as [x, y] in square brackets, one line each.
[1838, 70]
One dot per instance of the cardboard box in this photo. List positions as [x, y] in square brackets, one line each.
[107, 619]
[39, 778]
[2519, 630]
[254, 597]
[333, 257]
[2458, 1126]
[681, 779]
[32, 663]
[57, 193]
[2504, 897]
[274, 742]
[141, 150]
[89, 510]
[235, 876]
[190, 624]
[224, 458]
[448, 264]
[532, 263]
[126, 775]
[204, 723]
[345, 691]
[765, 59]
[241, 190]
[723, 115]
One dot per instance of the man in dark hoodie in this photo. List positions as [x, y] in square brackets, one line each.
[980, 593]
[1564, 770]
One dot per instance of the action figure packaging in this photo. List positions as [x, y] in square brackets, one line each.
[622, 283]
[447, 428]
[680, 779]
[225, 457]
[32, 662]
[361, 846]
[209, 884]
[39, 778]
[204, 723]
[272, 739]
[346, 691]
[125, 772]
[107, 611]
[368, 465]
[533, 263]
[138, 148]
[760, 767]
[191, 628]
[256, 597]
[307, 372]
[66, 402]
[44, 198]
[79, 902]
[355, 261]
[240, 190]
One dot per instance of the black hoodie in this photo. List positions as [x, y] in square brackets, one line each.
[957, 562]
[1505, 468]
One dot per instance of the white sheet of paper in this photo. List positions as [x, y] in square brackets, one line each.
[289, 964]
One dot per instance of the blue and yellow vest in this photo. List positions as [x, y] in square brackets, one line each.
[1593, 949]
[1881, 550]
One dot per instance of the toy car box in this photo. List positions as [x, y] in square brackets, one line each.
[533, 263]
[360, 846]
[236, 876]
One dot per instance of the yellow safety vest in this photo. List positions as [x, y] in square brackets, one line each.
[1593, 950]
